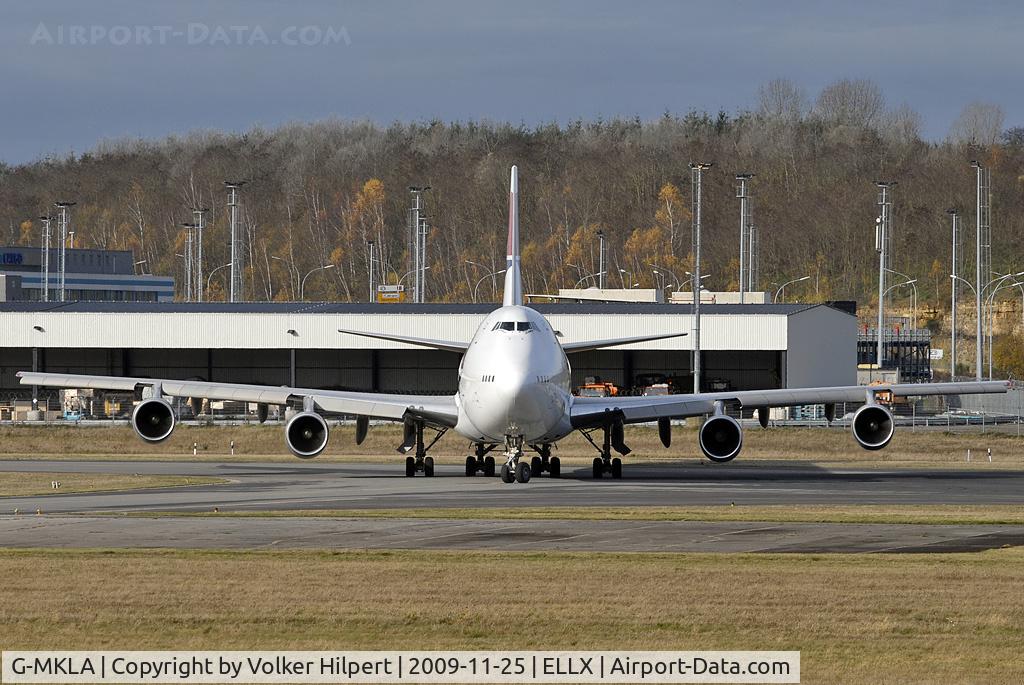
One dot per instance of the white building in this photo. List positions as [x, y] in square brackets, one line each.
[743, 346]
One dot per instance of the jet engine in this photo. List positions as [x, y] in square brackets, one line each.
[721, 438]
[306, 434]
[873, 426]
[153, 419]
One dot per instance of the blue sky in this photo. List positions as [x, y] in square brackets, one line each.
[529, 62]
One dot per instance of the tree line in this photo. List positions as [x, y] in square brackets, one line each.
[317, 193]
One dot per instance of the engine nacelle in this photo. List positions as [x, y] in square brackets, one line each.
[306, 434]
[873, 426]
[721, 438]
[153, 419]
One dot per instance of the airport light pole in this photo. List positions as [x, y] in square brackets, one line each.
[585, 278]
[302, 284]
[668, 271]
[977, 276]
[782, 287]
[484, 278]
[744, 197]
[62, 253]
[235, 291]
[990, 308]
[955, 218]
[369, 269]
[882, 247]
[46, 257]
[697, 170]
[189, 274]
[209, 279]
[200, 221]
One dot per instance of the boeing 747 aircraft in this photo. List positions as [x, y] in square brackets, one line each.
[513, 393]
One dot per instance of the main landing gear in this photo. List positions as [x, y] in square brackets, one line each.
[414, 438]
[613, 437]
[514, 468]
[545, 462]
[481, 462]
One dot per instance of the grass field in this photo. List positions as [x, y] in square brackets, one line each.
[252, 442]
[14, 484]
[855, 618]
[931, 514]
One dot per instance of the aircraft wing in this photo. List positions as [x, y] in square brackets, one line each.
[446, 345]
[589, 411]
[437, 410]
[588, 345]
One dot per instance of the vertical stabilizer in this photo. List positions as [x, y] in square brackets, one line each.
[513, 276]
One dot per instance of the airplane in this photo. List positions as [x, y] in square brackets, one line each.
[513, 393]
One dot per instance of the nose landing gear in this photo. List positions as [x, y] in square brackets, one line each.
[514, 468]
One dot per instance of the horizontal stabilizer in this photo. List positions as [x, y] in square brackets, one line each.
[447, 345]
[614, 342]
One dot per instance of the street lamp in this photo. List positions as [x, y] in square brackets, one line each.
[623, 272]
[209, 279]
[783, 287]
[484, 278]
[978, 295]
[302, 284]
[412, 271]
[668, 271]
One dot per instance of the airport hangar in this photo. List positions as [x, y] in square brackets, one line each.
[298, 344]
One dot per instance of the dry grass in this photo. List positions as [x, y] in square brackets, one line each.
[16, 483]
[937, 514]
[252, 442]
[855, 618]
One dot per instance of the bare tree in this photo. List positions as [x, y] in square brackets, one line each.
[901, 126]
[857, 103]
[979, 123]
[781, 100]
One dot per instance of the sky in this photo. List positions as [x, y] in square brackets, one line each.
[76, 73]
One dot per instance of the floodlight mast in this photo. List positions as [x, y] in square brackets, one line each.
[235, 290]
[882, 247]
[46, 257]
[745, 235]
[200, 221]
[696, 171]
[955, 218]
[62, 253]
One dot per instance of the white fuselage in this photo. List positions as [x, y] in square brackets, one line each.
[514, 380]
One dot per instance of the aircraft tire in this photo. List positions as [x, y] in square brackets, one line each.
[616, 468]
[428, 467]
[470, 466]
[598, 468]
[410, 467]
[536, 466]
[522, 472]
[489, 467]
[555, 467]
[506, 474]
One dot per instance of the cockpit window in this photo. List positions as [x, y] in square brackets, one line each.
[513, 326]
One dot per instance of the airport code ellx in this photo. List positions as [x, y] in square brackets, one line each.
[396, 667]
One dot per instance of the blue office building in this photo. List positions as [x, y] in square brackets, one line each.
[91, 275]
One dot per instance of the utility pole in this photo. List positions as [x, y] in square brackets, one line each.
[983, 247]
[62, 253]
[200, 222]
[882, 228]
[414, 238]
[600, 261]
[46, 257]
[746, 239]
[235, 291]
[696, 170]
[955, 217]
